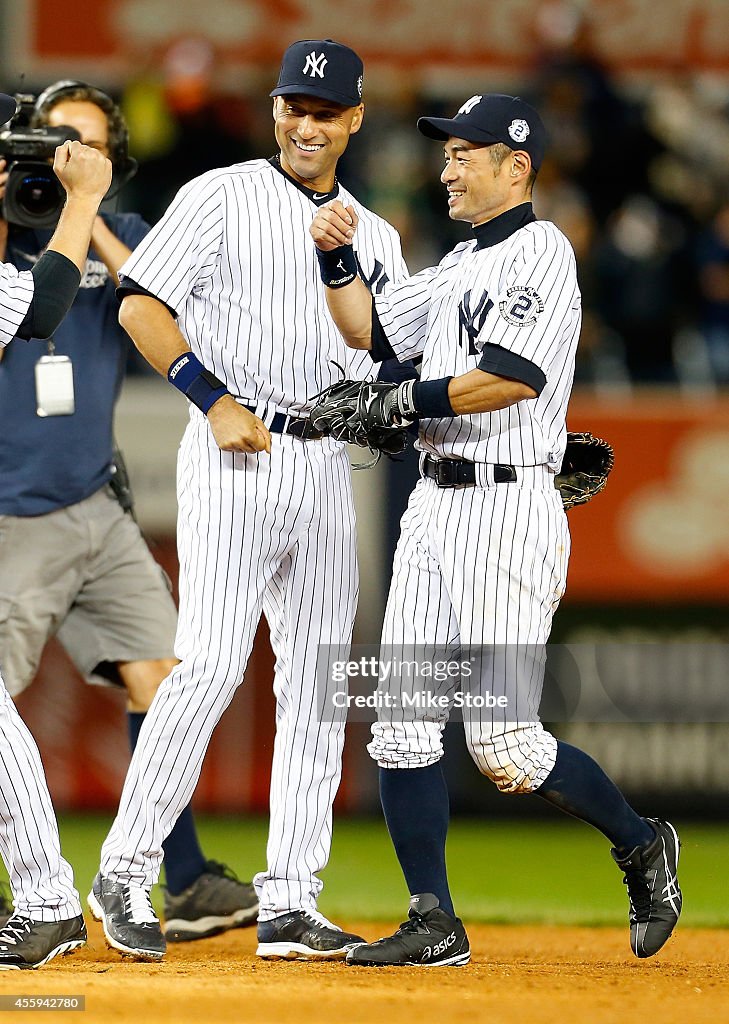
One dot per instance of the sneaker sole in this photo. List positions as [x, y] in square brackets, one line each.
[177, 929]
[459, 960]
[127, 951]
[63, 949]
[297, 951]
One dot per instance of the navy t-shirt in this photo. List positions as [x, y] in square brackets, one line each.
[55, 461]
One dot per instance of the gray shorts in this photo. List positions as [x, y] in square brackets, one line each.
[85, 575]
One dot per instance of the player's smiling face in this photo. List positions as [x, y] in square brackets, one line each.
[478, 190]
[312, 134]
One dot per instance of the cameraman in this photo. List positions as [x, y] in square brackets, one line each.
[72, 563]
[35, 303]
[47, 918]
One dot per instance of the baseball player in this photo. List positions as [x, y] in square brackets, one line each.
[47, 919]
[72, 562]
[223, 297]
[482, 557]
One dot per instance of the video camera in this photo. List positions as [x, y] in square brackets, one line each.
[34, 196]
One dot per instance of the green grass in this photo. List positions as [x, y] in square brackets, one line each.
[556, 872]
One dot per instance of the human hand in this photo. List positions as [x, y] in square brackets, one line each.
[334, 225]
[83, 172]
[236, 429]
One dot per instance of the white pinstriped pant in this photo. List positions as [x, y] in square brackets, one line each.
[40, 879]
[479, 566]
[255, 532]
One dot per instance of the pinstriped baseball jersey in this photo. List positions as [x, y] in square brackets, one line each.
[16, 295]
[259, 325]
[256, 532]
[40, 879]
[520, 295]
[486, 565]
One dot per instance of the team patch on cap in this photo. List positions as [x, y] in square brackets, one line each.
[519, 129]
[521, 307]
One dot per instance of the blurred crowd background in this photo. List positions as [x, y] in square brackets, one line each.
[636, 174]
[635, 97]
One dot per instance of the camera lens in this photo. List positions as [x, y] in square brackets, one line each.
[33, 197]
[38, 195]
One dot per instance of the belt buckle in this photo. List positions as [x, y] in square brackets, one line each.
[445, 473]
[299, 426]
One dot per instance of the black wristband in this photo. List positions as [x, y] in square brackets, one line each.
[430, 398]
[338, 267]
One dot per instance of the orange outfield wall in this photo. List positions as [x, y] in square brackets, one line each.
[660, 530]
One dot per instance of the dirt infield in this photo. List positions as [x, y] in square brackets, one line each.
[534, 974]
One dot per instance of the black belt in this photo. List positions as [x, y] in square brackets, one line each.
[458, 473]
[281, 423]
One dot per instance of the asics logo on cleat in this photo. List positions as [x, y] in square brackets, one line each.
[430, 951]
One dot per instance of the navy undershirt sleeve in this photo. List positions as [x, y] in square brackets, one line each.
[502, 362]
[129, 287]
[55, 283]
[381, 347]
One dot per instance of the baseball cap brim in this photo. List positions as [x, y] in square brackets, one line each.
[319, 91]
[8, 106]
[443, 128]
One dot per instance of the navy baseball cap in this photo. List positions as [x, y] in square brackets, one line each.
[493, 118]
[8, 106]
[321, 68]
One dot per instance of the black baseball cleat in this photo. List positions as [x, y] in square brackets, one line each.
[130, 923]
[429, 938]
[303, 934]
[215, 902]
[655, 898]
[26, 944]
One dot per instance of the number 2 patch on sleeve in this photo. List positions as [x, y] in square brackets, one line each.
[521, 307]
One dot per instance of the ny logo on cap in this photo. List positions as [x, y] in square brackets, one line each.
[314, 64]
[469, 105]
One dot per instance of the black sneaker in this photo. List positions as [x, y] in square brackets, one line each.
[429, 938]
[214, 902]
[655, 898]
[130, 923]
[27, 944]
[306, 934]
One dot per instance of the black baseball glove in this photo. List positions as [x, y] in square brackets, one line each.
[587, 463]
[364, 413]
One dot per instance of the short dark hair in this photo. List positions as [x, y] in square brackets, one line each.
[78, 92]
[499, 152]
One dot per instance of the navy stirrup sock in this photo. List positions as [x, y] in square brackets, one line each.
[184, 860]
[416, 807]
[579, 786]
